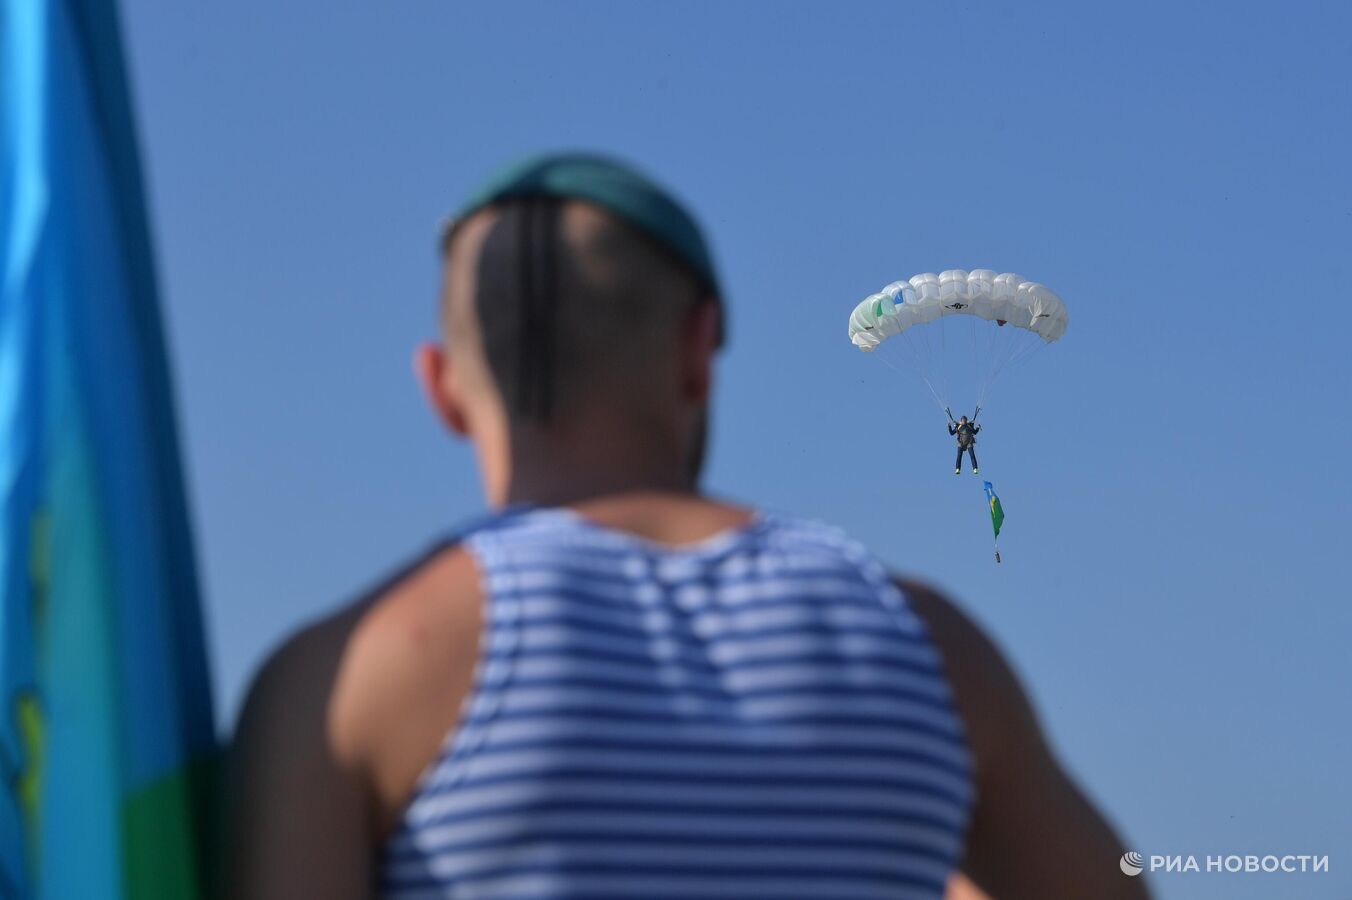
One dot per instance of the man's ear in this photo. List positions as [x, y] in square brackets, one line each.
[701, 345]
[433, 369]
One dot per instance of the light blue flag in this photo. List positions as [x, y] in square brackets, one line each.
[105, 715]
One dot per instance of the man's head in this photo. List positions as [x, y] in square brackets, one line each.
[579, 330]
[962, 420]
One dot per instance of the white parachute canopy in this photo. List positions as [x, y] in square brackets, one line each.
[1007, 318]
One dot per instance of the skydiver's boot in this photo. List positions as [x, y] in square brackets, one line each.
[976, 471]
[957, 471]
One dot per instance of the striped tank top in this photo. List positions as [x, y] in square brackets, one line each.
[756, 715]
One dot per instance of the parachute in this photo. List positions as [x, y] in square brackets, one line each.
[958, 323]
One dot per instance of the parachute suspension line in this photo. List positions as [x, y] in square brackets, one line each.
[933, 393]
[1028, 351]
[943, 354]
[933, 370]
[982, 345]
[925, 366]
[1002, 339]
[976, 349]
[971, 334]
[922, 364]
[1006, 346]
[994, 347]
[993, 367]
[944, 365]
[1019, 353]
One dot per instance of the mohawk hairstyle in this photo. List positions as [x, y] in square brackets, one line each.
[572, 313]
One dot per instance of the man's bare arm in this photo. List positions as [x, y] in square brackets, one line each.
[298, 816]
[1033, 834]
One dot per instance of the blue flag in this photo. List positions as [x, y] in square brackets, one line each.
[105, 712]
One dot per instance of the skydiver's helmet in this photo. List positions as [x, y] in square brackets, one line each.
[962, 420]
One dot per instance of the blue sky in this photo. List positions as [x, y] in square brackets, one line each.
[1173, 590]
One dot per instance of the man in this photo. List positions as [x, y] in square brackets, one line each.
[966, 432]
[617, 686]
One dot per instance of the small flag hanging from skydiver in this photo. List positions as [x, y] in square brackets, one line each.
[997, 516]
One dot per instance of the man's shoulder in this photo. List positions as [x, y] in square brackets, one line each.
[307, 669]
[986, 690]
[300, 770]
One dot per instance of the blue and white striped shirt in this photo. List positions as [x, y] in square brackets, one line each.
[757, 715]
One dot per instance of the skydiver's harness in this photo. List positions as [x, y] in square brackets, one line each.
[966, 433]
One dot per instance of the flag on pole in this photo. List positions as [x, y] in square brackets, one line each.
[105, 711]
[997, 511]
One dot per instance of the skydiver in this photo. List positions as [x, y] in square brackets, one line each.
[966, 433]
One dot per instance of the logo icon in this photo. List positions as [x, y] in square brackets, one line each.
[1132, 863]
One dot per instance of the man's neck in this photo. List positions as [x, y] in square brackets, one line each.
[551, 485]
